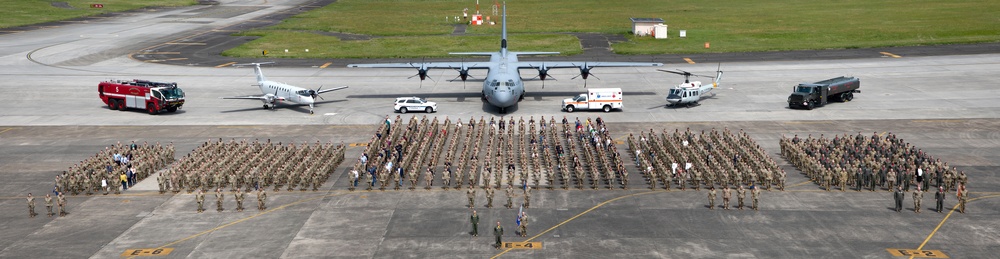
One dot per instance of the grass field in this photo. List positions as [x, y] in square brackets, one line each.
[321, 46]
[418, 27]
[24, 12]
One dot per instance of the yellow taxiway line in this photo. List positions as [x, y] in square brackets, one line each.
[689, 61]
[224, 65]
[890, 54]
[577, 216]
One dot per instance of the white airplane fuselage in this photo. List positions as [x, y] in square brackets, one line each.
[285, 92]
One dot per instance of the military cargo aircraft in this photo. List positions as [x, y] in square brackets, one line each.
[503, 86]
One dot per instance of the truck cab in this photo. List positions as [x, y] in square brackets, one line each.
[812, 95]
[808, 96]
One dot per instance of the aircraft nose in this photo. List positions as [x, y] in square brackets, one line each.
[673, 100]
[503, 99]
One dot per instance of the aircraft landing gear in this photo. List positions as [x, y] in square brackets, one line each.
[265, 106]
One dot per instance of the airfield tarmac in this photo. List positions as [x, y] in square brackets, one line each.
[946, 104]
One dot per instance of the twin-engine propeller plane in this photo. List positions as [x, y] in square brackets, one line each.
[503, 86]
[689, 92]
[275, 92]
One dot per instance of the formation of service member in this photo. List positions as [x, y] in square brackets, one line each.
[939, 196]
[239, 200]
[755, 195]
[218, 199]
[498, 233]
[471, 193]
[711, 197]
[489, 196]
[527, 196]
[48, 204]
[31, 206]
[725, 197]
[475, 223]
[524, 224]
[917, 195]
[61, 202]
[740, 194]
[963, 196]
[261, 199]
[898, 197]
[200, 199]
[510, 196]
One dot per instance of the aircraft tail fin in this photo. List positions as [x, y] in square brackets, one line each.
[718, 76]
[256, 69]
[503, 39]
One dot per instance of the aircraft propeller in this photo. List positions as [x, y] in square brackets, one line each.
[543, 72]
[585, 72]
[463, 73]
[421, 72]
[312, 93]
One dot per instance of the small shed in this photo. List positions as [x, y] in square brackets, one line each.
[644, 26]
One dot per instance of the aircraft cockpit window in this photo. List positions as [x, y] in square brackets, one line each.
[303, 92]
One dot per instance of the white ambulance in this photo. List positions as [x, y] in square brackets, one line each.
[595, 99]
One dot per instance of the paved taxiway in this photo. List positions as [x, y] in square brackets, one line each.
[52, 118]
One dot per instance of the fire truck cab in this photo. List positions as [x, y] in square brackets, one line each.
[154, 97]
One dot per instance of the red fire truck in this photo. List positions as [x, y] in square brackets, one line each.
[154, 97]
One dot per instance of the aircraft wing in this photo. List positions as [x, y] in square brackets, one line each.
[252, 97]
[578, 64]
[331, 89]
[452, 65]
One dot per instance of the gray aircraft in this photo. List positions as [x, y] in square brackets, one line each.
[503, 86]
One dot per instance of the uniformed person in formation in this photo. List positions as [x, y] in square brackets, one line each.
[939, 196]
[524, 224]
[261, 199]
[475, 223]
[200, 199]
[218, 199]
[471, 193]
[510, 196]
[711, 197]
[498, 233]
[755, 195]
[31, 206]
[48, 204]
[917, 195]
[725, 197]
[963, 196]
[239, 200]
[740, 194]
[489, 196]
[61, 201]
[898, 197]
[527, 196]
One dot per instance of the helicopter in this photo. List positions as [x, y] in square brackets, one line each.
[689, 93]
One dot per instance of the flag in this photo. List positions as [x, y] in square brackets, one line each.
[519, 211]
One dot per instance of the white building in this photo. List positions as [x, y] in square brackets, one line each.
[644, 26]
